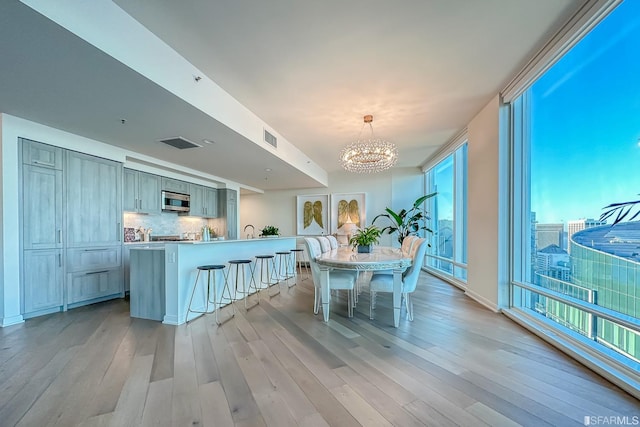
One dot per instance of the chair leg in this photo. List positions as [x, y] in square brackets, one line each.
[409, 303]
[316, 301]
[371, 296]
[350, 302]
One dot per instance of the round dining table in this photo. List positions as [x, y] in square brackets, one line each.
[380, 258]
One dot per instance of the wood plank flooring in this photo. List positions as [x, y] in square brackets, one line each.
[456, 364]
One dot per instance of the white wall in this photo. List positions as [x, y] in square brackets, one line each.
[396, 188]
[486, 221]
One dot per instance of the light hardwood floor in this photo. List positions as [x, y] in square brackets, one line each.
[278, 365]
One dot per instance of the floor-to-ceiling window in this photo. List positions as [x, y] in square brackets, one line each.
[448, 214]
[576, 150]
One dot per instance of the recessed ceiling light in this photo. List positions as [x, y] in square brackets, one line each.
[267, 170]
[207, 141]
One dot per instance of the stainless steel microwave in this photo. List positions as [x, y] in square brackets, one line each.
[175, 202]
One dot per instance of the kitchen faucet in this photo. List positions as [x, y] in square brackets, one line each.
[253, 230]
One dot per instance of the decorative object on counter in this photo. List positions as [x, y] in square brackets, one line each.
[407, 222]
[209, 233]
[347, 208]
[269, 231]
[129, 234]
[368, 155]
[312, 213]
[143, 235]
[364, 238]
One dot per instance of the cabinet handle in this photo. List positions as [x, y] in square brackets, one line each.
[59, 236]
[140, 204]
[40, 162]
[59, 260]
[95, 272]
[135, 205]
[95, 250]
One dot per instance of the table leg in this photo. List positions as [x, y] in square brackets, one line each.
[397, 296]
[324, 292]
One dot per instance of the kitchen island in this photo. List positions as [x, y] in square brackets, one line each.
[181, 260]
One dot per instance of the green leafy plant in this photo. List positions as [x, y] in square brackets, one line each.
[406, 222]
[366, 237]
[270, 230]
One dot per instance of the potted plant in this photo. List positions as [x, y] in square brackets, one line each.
[269, 231]
[363, 238]
[406, 222]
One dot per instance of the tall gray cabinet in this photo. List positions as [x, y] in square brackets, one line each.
[42, 232]
[228, 208]
[71, 229]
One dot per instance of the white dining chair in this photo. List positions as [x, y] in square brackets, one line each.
[333, 241]
[407, 247]
[384, 282]
[325, 244]
[338, 279]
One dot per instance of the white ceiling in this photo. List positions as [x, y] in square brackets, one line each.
[309, 69]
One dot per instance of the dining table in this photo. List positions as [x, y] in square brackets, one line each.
[380, 258]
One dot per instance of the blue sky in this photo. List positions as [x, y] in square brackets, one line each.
[585, 151]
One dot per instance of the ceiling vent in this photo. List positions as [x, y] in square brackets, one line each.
[270, 139]
[180, 143]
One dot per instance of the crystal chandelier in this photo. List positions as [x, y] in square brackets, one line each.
[368, 155]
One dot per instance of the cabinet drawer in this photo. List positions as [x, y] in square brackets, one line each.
[93, 258]
[91, 285]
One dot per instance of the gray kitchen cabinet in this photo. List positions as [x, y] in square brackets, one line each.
[71, 217]
[228, 209]
[43, 155]
[41, 207]
[203, 201]
[210, 202]
[42, 280]
[196, 202]
[93, 201]
[92, 285]
[175, 185]
[141, 192]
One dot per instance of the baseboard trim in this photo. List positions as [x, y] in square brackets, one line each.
[10, 321]
[483, 301]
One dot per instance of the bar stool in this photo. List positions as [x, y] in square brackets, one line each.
[211, 271]
[283, 262]
[266, 261]
[296, 260]
[245, 289]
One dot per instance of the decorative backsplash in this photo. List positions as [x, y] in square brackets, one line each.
[169, 224]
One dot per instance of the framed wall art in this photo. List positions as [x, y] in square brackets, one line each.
[312, 215]
[347, 212]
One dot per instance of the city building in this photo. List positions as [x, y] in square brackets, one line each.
[549, 234]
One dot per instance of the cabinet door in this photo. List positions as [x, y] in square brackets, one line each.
[149, 197]
[42, 279]
[41, 208]
[175, 185]
[130, 190]
[43, 155]
[211, 202]
[94, 213]
[196, 204]
[94, 284]
[232, 218]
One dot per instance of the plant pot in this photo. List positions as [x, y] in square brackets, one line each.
[364, 249]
